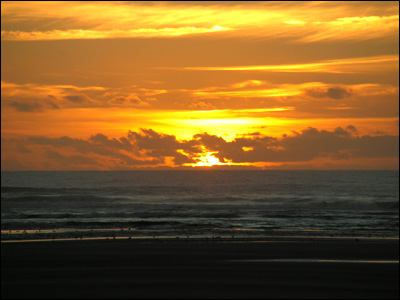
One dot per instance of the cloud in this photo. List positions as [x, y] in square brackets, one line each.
[350, 28]
[73, 34]
[71, 159]
[343, 65]
[36, 97]
[148, 148]
[331, 92]
[302, 21]
[115, 151]
[306, 145]
[26, 107]
[159, 146]
[201, 105]
[77, 99]
[128, 101]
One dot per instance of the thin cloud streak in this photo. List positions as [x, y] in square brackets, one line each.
[74, 34]
[351, 65]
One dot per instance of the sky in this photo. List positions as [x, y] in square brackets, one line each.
[121, 85]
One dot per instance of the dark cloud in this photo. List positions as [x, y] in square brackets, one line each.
[150, 148]
[333, 92]
[352, 129]
[118, 150]
[52, 105]
[122, 143]
[29, 106]
[26, 106]
[161, 146]
[77, 99]
[71, 159]
[126, 101]
[338, 93]
[300, 146]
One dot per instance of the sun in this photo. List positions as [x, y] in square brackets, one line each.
[208, 159]
[205, 158]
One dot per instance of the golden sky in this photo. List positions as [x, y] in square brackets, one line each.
[105, 85]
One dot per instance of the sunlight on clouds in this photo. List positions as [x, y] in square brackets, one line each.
[105, 34]
[248, 83]
[245, 149]
[228, 127]
[207, 158]
[295, 22]
[350, 65]
[370, 89]
[350, 28]
[257, 93]
[229, 122]
[283, 90]
[303, 21]
[192, 83]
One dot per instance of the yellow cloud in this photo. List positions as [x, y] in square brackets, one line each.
[351, 27]
[303, 21]
[294, 22]
[105, 34]
[257, 93]
[350, 65]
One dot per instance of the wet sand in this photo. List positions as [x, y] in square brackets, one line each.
[200, 269]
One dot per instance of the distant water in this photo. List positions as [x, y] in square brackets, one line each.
[207, 203]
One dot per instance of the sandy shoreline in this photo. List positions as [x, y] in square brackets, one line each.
[138, 269]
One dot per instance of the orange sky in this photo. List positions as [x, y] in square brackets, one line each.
[243, 84]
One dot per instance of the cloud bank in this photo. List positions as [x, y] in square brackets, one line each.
[148, 148]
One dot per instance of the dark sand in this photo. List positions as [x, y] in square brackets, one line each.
[156, 269]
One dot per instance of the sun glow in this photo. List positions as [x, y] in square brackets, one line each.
[126, 85]
[208, 159]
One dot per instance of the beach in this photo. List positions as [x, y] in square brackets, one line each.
[201, 269]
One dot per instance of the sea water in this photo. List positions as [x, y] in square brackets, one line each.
[202, 203]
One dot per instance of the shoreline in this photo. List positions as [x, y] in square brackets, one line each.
[186, 268]
[201, 239]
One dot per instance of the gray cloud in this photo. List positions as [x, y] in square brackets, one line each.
[71, 159]
[77, 99]
[133, 101]
[301, 146]
[150, 148]
[333, 92]
[162, 145]
[26, 106]
[116, 149]
[338, 93]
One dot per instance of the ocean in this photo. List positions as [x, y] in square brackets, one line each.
[208, 204]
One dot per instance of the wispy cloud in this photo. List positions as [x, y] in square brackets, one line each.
[348, 28]
[302, 21]
[349, 65]
[39, 97]
[289, 91]
[106, 34]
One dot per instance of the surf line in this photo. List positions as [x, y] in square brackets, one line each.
[315, 260]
